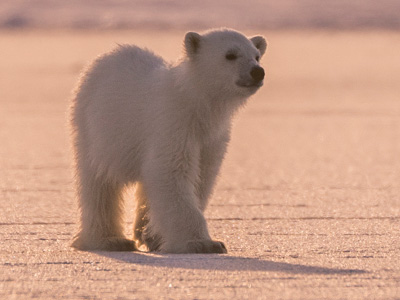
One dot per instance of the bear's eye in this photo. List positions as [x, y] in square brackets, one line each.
[231, 56]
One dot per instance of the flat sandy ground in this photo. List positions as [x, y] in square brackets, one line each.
[308, 202]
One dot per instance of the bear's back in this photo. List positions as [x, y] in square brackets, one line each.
[140, 60]
[125, 64]
[125, 74]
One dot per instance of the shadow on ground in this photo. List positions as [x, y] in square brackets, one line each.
[219, 262]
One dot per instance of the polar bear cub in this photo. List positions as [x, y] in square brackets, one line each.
[164, 127]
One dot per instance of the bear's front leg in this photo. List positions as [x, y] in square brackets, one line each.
[211, 158]
[170, 181]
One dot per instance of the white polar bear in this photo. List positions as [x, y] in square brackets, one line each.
[137, 119]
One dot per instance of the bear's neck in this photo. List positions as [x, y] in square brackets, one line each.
[207, 111]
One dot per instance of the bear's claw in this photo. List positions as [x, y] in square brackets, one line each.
[206, 246]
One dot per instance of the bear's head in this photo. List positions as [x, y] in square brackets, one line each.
[226, 61]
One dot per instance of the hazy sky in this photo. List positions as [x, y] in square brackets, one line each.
[201, 14]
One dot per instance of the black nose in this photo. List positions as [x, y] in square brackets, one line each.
[257, 73]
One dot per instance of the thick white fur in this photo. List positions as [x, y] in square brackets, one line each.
[137, 119]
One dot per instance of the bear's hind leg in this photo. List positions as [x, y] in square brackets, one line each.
[101, 216]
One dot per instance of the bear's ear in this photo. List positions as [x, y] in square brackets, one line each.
[260, 43]
[192, 43]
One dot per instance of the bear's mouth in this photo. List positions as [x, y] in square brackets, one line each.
[253, 84]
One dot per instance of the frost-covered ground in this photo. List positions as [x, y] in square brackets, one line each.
[167, 14]
[308, 198]
[307, 201]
